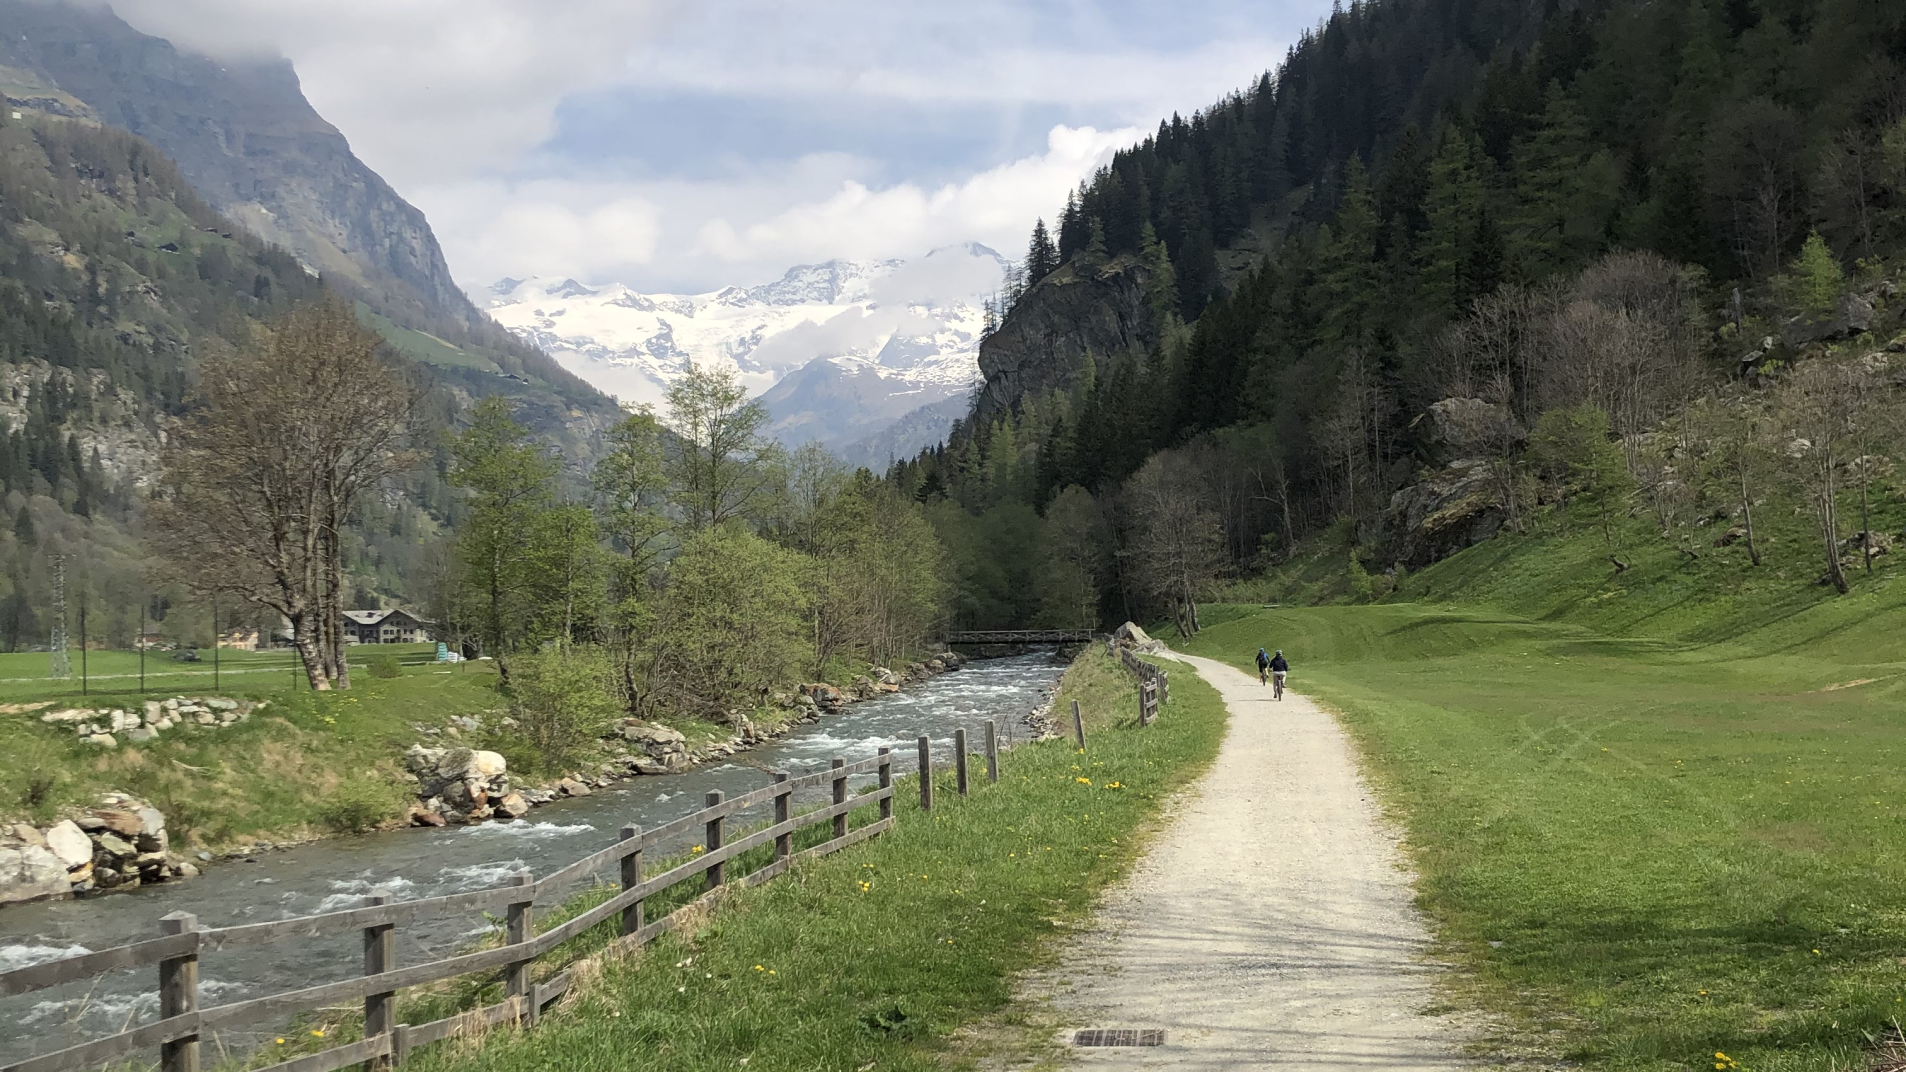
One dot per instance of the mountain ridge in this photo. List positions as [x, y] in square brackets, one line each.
[838, 350]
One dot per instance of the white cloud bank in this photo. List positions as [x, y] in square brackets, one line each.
[459, 104]
[747, 231]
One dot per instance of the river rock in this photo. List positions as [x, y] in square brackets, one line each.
[656, 740]
[104, 740]
[29, 834]
[511, 806]
[572, 787]
[124, 823]
[823, 694]
[68, 842]
[31, 873]
[113, 846]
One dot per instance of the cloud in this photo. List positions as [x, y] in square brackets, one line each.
[423, 87]
[701, 235]
[681, 145]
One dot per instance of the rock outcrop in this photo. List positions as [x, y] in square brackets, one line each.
[121, 844]
[1445, 511]
[1080, 313]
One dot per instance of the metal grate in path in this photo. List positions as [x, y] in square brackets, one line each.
[1118, 1036]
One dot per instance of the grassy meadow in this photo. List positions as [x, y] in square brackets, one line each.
[308, 763]
[1658, 815]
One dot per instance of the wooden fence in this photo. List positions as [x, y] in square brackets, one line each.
[1154, 685]
[182, 941]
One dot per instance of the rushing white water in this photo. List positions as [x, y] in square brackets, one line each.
[333, 875]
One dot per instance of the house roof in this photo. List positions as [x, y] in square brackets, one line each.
[376, 617]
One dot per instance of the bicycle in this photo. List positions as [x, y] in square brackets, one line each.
[1277, 689]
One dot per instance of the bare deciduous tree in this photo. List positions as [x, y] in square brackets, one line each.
[261, 479]
[1819, 403]
[1177, 543]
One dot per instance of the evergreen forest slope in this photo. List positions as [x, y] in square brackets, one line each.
[1451, 265]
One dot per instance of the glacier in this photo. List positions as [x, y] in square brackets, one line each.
[842, 353]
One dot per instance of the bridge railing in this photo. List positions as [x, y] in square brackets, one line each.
[1020, 636]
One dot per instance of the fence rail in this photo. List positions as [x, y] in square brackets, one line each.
[1020, 636]
[182, 941]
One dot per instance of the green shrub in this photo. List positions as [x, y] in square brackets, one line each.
[384, 664]
[562, 701]
[360, 805]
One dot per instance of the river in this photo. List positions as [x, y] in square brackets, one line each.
[340, 873]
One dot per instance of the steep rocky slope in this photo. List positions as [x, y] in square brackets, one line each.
[252, 147]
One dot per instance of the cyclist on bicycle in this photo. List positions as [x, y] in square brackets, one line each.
[1280, 667]
[1263, 666]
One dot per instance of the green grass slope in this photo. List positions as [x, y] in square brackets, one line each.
[1657, 815]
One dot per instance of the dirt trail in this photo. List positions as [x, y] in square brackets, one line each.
[1271, 924]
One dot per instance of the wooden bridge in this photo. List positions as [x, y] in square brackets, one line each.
[1020, 636]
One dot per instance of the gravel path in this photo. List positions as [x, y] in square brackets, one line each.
[1271, 924]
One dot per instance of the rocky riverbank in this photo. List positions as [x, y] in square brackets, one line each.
[457, 784]
[121, 844]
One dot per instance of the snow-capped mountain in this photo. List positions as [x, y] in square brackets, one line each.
[871, 341]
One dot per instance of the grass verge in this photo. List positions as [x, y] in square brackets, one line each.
[874, 957]
[1644, 852]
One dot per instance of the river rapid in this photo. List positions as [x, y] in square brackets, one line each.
[328, 876]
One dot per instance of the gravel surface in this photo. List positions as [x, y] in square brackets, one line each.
[1271, 923]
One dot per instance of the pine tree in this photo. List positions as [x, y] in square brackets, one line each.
[1451, 208]
[1074, 232]
[1818, 282]
[1041, 255]
[1351, 273]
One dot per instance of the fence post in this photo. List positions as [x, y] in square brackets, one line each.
[380, 955]
[1145, 703]
[717, 872]
[783, 843]
[399, 1043]
[1164, 687]
[516, 974]
[631, 878]
[959, 759]
[992, 751]
[886, 783]
[1078, 724]
[926, 774]
[179, 994]
[840, 797]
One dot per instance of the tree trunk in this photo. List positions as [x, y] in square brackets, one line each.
[1747, 518]
[305, 639]
[1830, 531]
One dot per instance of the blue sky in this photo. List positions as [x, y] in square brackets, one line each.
[687, 145]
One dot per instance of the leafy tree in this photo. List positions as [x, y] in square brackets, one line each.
[510, 480]
[1575, 450]
[716, 459]
[732, 622]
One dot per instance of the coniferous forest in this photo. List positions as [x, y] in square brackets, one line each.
[1474, 228]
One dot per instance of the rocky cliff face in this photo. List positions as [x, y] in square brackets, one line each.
[1078, 313]
[243, 136]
